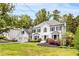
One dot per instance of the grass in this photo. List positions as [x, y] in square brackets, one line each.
[31, 49]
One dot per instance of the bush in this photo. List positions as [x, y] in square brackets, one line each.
[34, 41]
[53, 42]
[13, 40]
[69, 38]
[77, 40]
[39, 39]
[2, 36]
[62, 46]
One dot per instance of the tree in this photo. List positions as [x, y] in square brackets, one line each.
[41, 16]
[64, 17]
[77, 19]
[2, 24]
[14, 21]
[56, 15]
[25, 21]
[5, 9]
[74, 26]
[77, 39]
[71, 23]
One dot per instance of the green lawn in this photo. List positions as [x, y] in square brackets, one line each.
[31, 49]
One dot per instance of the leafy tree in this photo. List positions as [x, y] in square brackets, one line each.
[77, 39]
[77, 18]
[74, 26]
[6, 8]
[2, 24]
[25, 21]
[71, 23]
[41, 16]
[14, 21]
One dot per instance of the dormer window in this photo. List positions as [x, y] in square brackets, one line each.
[45, 29]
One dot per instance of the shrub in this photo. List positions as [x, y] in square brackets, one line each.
[13, 40]
[39, 39]
[34, 41]
[2, 36]
[69, 38]
[53, 42]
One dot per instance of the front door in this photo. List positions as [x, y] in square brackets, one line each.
[45, 37]
[55, 36]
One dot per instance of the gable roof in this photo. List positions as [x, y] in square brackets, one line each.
[19, 30]
[50, 22]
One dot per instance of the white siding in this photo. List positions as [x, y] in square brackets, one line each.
[49, 32]
[16, 34]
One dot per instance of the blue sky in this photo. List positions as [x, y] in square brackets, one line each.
[32, 8]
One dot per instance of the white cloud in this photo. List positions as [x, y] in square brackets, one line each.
[63, 7]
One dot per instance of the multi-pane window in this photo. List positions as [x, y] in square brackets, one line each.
[52, 28]
[22, 32]
[38, 30]
[34, 31]
[45, 29]
[58, 28]
[36, 37]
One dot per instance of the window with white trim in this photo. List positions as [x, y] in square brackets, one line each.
[45, 29]
[52, 29]
[33, 30]
[38, 30]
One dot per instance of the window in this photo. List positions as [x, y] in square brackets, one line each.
[36, 37]
[38, 30]
[52, 28]
[45, 37]
[45, 29]
[55, 37]
[33, 31]
[58, 28]
[22, 32]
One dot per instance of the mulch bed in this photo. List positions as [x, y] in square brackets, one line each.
[46, 45]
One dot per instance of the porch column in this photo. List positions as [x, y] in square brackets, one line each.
[55, 28]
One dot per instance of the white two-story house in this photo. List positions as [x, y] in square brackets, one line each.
[49, 29]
